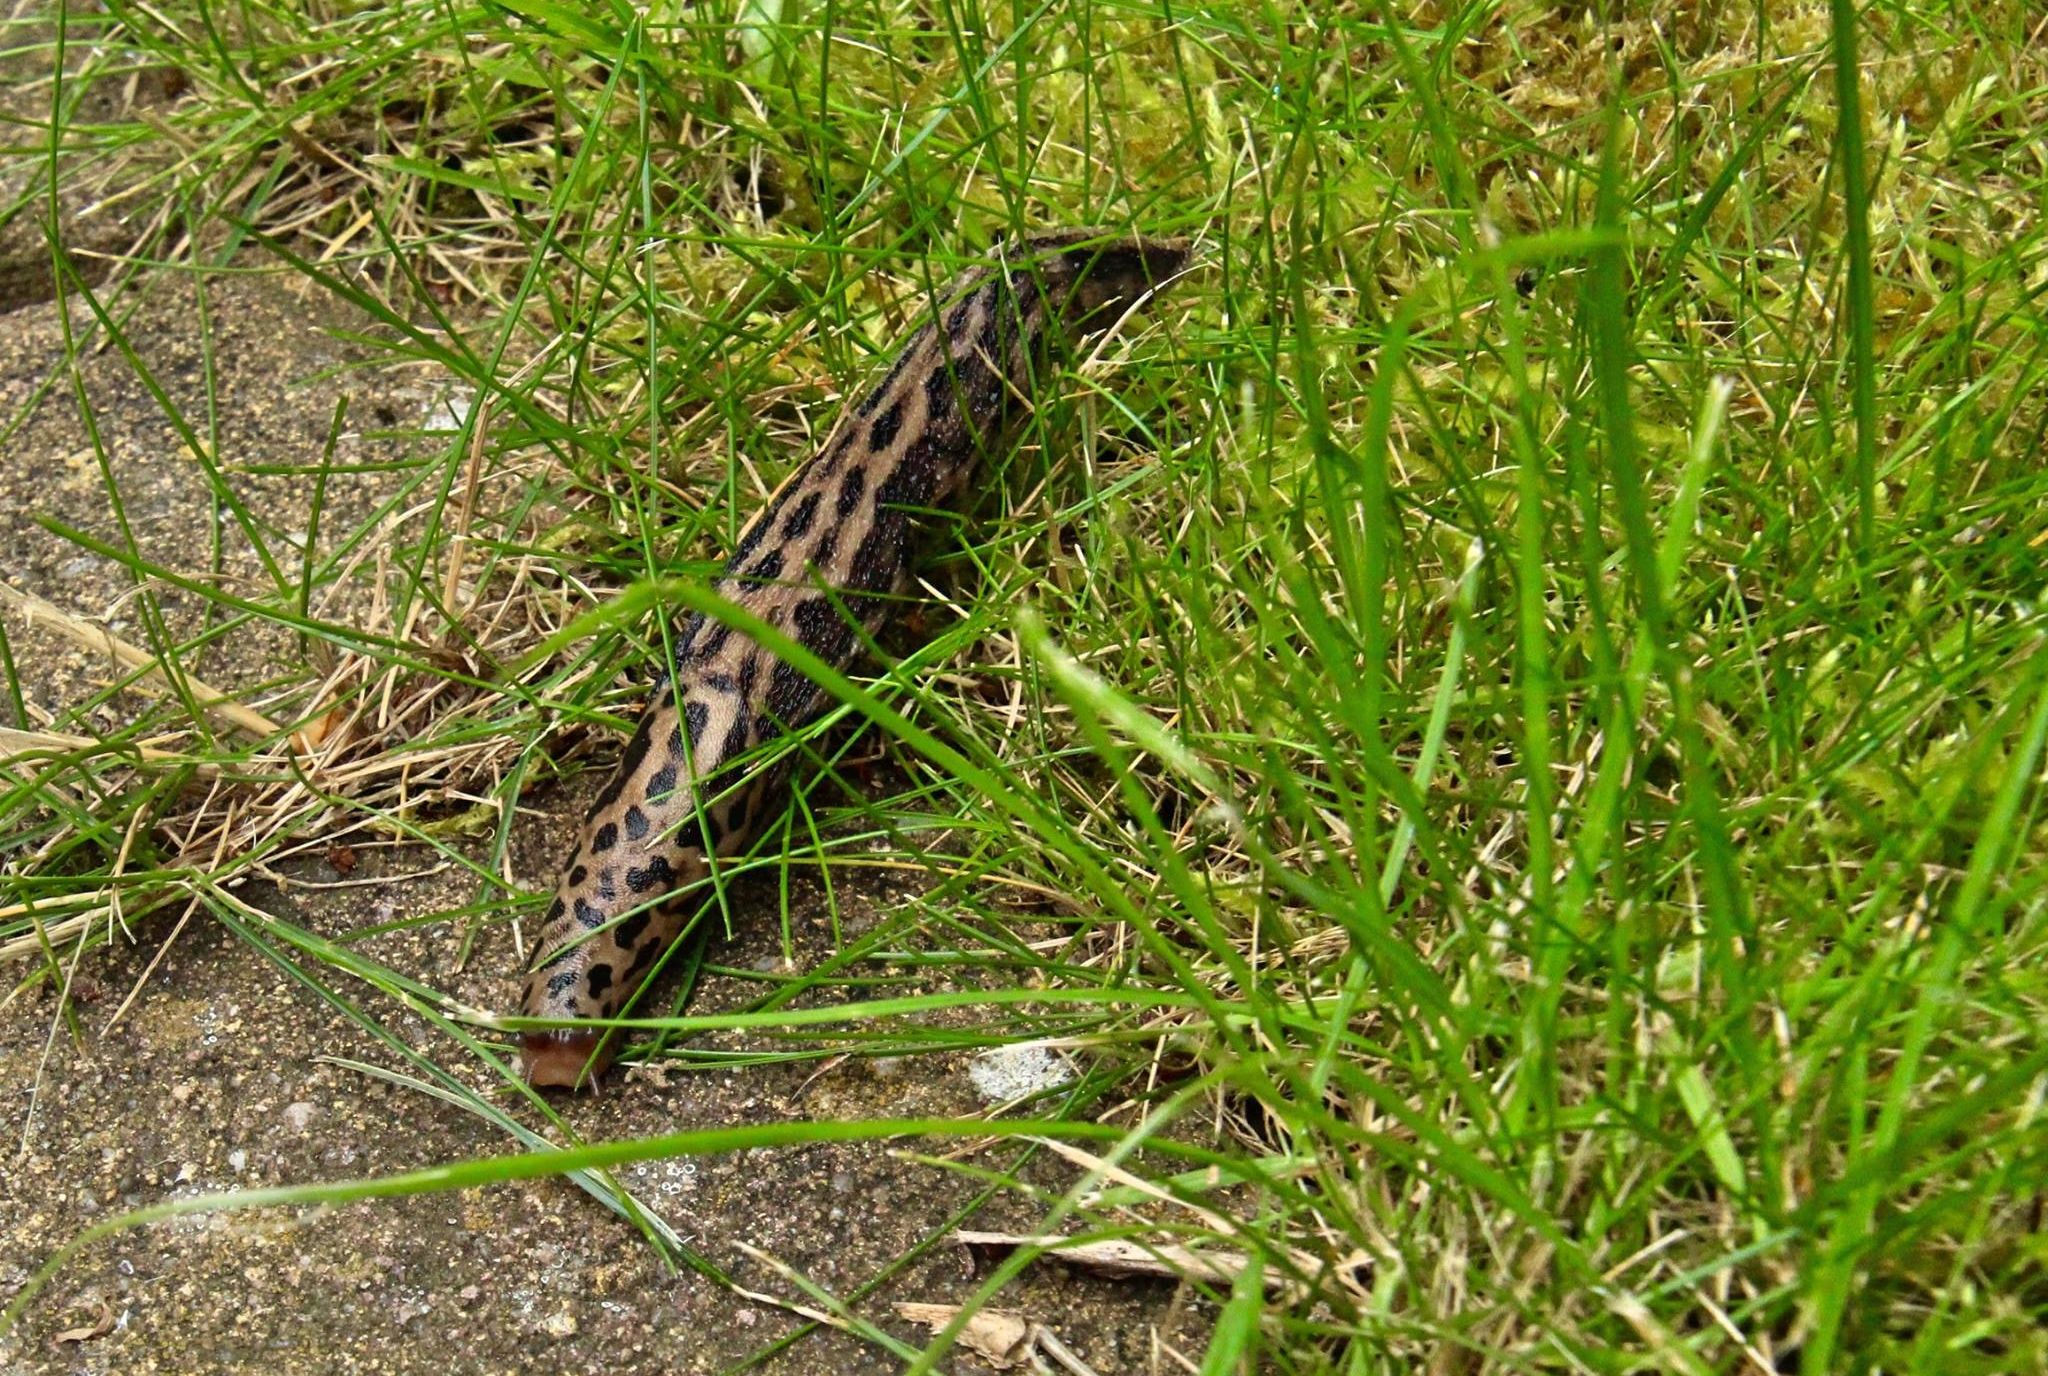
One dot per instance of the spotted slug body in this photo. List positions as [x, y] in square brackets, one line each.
[822, 562]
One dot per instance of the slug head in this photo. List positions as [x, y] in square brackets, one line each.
[564, 1059]
[1093, 276]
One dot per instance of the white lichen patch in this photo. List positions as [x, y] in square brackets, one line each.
[1017, 1071]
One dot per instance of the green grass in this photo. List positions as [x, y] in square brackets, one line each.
[1527, 669]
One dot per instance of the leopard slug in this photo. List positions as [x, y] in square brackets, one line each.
[823, 562]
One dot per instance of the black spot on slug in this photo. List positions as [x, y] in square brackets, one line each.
[979, 387]
[714, 639]
[561, 984]
[988, 343]
[589, 915]
[605, 838]
[695, 714]
[833, 453]
[822, 630]
[577, 876]
[751, 539]
[642, 958]
[643, 737]
[600, 980]
[938, 395]
[629, 933]
[769, 569]
[910, 484]
[880, 556]
[801, 516]
[610, 794]
[852, 488]
[636, 752]
[736, 738]
[661, 784]
[708, 833]
[636, 827]
[887, 426]
[888, 384]
[657, 873]
[789, 693]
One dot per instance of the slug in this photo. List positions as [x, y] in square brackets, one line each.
[823, 562]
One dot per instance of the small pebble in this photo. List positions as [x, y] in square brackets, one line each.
[448, 412]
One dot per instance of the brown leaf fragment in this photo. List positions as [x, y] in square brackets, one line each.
[1165, 1260]
[1000, 1338]
[85, 1333]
